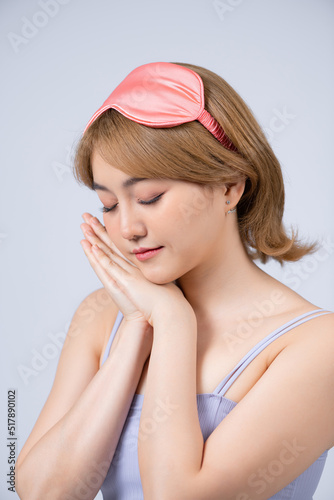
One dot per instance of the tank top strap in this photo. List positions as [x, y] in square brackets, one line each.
[246, 360]
[118, 320]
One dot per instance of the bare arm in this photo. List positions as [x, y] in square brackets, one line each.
[285, 419]
[80, 424]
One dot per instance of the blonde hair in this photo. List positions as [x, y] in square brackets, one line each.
[189, 152]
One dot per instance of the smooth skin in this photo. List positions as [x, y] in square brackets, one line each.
[181, 309]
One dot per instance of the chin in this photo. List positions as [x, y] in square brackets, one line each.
[160, 278]
[158, 281]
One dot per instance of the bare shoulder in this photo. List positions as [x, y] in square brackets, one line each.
[313, 334]
[94, 319]
[287, 306]
[285, 301]
[317, 332]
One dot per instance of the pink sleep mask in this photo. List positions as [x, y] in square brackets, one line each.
[162, 95]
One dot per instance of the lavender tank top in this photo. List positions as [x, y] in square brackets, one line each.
[123, 478]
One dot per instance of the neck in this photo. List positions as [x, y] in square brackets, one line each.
[224, 282]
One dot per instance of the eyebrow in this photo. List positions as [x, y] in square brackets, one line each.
[129, 182]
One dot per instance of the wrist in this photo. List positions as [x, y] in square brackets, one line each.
[173, 313]
[136, 335]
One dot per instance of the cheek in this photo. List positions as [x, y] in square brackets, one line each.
[110, 228]
[192, 214]
[195, 206]
[107, 225]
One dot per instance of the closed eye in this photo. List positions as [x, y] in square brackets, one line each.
[110, 209]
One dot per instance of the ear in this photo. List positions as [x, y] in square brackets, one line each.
[233, 192]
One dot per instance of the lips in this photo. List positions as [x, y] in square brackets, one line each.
[143, 250]
[146, 254]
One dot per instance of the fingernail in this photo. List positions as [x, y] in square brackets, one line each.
[95, 221]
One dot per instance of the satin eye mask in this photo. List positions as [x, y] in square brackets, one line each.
[163, 95]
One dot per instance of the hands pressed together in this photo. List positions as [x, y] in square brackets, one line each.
[136, 297]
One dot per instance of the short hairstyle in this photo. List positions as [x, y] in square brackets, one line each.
[188, 152]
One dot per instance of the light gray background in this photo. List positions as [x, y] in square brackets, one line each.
[277, 54]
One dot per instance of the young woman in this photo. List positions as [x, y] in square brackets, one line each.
[216, 381]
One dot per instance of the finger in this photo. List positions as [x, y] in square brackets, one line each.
[115, 258]
[112, 268]
[93, 238]
[119, 290]
[99, 230]
[108, 282]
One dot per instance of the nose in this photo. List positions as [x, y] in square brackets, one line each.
[131, 226]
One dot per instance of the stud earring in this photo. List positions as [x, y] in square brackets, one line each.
[230, 211]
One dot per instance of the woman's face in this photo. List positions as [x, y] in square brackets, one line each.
[184, 218]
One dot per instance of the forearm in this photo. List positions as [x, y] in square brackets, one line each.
[83, 442]
[172, 454]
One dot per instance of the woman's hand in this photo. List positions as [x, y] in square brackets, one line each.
[137, 297]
